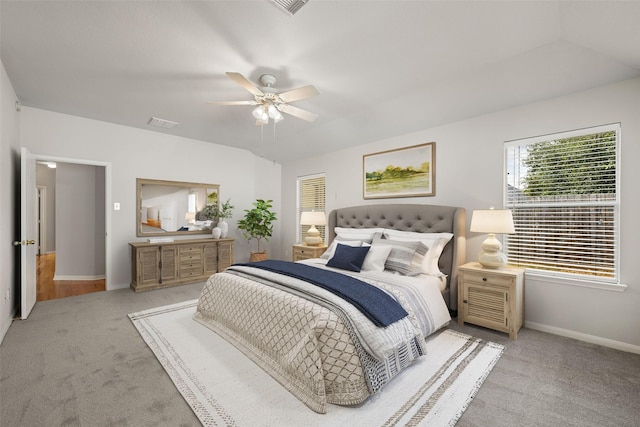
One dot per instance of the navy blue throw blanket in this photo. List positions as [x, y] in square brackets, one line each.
[377, 305]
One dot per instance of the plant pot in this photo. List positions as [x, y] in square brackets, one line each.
[257, 256]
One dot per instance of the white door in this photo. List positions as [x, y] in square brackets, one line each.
[29, 232]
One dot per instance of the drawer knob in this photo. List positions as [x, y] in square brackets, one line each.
[484, 279]
[464, 301]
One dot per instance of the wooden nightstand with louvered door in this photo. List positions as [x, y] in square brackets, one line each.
[492, 298]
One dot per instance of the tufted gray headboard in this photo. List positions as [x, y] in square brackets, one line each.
[417, 218]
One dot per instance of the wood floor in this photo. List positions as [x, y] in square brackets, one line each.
[48, 289]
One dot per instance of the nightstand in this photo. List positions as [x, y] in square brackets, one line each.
[493, 298]
[301, 252]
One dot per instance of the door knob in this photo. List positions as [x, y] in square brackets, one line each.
[24, 242]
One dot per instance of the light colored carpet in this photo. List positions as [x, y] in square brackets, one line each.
[79, 361]
[224, 387]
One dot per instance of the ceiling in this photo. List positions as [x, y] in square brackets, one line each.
[384, 68]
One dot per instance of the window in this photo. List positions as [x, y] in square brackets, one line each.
[311, 197]
[192, 202]
[563, 193]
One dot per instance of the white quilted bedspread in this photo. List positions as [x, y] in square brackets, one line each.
[318, 347]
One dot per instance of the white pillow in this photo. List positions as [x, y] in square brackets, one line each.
[434, 241]
[365, 234]
[376, 257]
[328, 254]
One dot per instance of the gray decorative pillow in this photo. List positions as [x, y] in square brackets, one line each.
[401, 255]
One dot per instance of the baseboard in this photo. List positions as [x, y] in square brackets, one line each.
[605, 342]
[119, 286]
[5, 327]
[99, 277]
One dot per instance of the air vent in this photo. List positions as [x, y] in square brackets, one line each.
[290, 6]
[161, 123]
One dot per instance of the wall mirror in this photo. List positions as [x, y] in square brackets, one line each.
[169, 208]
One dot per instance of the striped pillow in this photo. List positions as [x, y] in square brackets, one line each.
[401, 256]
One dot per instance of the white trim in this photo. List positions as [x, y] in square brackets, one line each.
[84, 278]
[605, 342]
[564, 134]
[6, 326]
[583, 283]
[42, 218]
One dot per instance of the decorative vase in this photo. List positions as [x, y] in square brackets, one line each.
[224, 227]
[216, 232]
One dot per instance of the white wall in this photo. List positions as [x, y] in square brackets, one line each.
[137, 153]
[80, 224]
[469, 174]
[9, 200]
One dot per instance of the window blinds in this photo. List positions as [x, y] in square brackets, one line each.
[562, 190]
[311, 197]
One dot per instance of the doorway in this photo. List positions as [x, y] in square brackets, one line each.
[71, 229]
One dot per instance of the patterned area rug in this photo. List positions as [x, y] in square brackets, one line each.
[224, 387]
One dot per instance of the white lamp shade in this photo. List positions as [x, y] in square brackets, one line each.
[313, 218]
[495, 221]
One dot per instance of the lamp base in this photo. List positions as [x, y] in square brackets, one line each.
[492, 259]
[490, 255]
[313, 237]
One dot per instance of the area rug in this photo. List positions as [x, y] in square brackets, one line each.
[224, 387]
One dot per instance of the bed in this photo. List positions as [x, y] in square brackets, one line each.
[319, 347]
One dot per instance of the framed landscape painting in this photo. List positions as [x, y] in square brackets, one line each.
[404, 172]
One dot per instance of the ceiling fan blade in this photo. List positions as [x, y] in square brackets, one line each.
[297, 112]
[242, 81]
[234, 103]
[298, 94]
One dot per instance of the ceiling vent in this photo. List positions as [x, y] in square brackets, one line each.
[290, 6]
[162, 123]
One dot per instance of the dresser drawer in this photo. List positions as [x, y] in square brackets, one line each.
[191, 254]
[190, 271]
[488, 279]
[301, 252]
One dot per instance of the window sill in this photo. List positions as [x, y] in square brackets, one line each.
[558, 280]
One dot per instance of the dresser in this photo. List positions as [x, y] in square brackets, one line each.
[301, 252]
[160, 265]
[492, 298]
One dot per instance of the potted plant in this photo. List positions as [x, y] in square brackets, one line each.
[220, 214]
[258, 224]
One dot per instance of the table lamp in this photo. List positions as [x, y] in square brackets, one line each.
[492, 221]
[313, 235]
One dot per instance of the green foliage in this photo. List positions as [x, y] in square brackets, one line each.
[215, 212]
[571, 166]
[258, 222]
[212, 198]
[396, 172]
[225, 211]
[208, 212]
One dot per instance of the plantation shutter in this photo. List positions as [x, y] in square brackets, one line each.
[311, 197]
[563, 193]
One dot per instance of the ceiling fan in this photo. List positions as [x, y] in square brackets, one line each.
[269, 102]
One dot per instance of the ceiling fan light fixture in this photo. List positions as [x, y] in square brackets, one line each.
[274, 113]
[261, 115]
[258, 112]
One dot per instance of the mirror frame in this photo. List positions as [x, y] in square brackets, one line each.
[142, 181]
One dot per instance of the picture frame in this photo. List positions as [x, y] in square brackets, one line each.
[402, 172]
